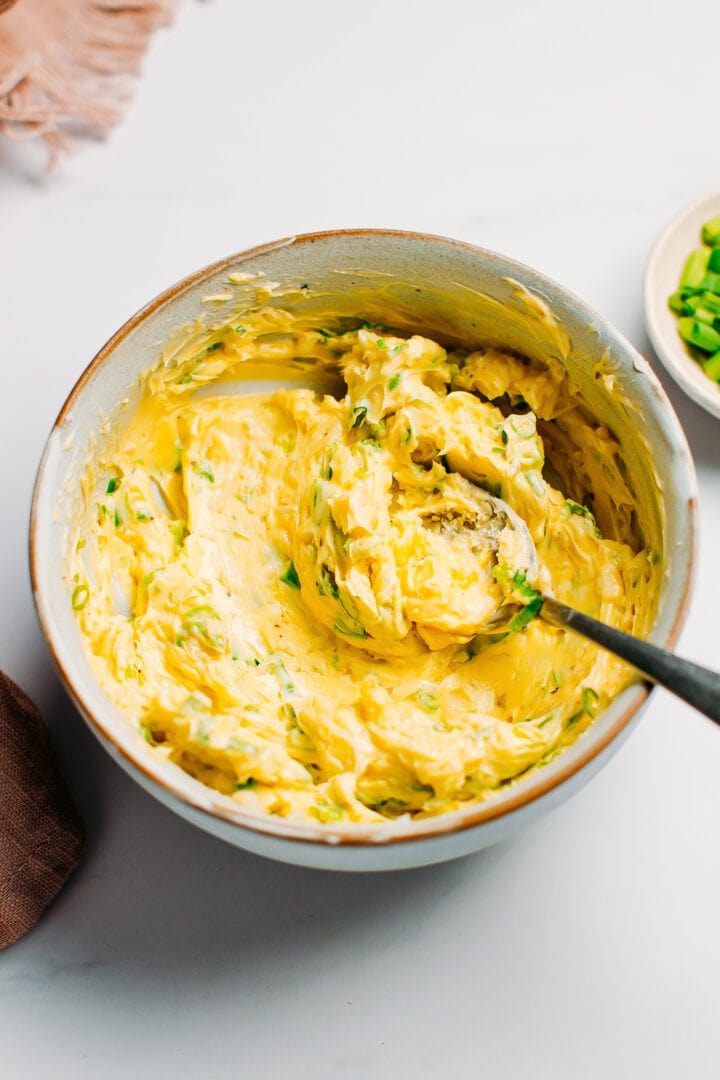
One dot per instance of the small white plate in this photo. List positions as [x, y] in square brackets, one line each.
[661, 279]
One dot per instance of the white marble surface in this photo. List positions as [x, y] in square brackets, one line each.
[557, 132]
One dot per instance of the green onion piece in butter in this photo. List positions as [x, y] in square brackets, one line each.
[290, 576]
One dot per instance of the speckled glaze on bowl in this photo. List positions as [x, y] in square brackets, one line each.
[443, 286]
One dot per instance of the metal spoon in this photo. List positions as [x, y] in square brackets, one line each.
[694, 684]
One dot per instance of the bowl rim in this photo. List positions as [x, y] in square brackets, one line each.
[669, 347]
[209, 802]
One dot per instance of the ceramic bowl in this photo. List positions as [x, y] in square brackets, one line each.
[661, 279]
[443, 287]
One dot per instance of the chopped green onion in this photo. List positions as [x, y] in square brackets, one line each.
[204, 469]
[711, 283]
[327, 586]
[290, 576]
[113, 485]
[526, 428]
[501, 574]
[706, 300]
[573, 508]
[519, 581]
[356, 630]
[347, 621]
[242, 746]
[427, 700]
[699, 334]
[80, 597]
[504, 576]
[589, 701]
[678, 305]
[393, 382]
[711, 367]
[327, 812]
[328, 473]
[525, 615]
[697, 300]
[147, 581]
[711, 232]
[704, 315]
[694, 270]
[359, 414]
[202, 609]
[179, 531]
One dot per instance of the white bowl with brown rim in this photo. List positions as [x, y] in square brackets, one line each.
[662, 277]
[446, 288]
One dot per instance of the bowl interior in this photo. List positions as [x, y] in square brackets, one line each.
[661, 280]
[459, 293]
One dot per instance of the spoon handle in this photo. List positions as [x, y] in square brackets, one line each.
[694, 684]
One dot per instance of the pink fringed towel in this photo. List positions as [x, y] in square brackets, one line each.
[65, 64]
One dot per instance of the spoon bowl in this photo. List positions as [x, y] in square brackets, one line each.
[698, 686]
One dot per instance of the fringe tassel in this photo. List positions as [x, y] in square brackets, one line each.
[65, 65]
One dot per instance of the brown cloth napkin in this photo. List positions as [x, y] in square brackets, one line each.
[65, 64]
[41, 835]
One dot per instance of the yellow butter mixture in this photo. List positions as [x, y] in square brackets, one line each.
[284, 576]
